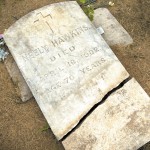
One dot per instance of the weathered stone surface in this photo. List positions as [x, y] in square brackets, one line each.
[100, 14]
[121, 123]
[114, 33]
[20, 83]
[66, 63]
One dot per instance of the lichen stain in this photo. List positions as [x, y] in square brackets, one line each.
[138, 124]
[88, 143]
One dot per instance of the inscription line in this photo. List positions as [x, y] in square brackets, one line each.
[36, 20]
[48, 15]
[49, 27]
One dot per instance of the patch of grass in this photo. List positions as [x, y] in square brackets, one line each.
[2, 2]
[45, 128]
[87, 8]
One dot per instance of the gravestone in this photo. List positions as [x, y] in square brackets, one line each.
[115, 34]
[112, 32]
[121, 123]
[66, 63]
[21, 86]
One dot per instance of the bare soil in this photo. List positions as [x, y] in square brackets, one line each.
[21, 124]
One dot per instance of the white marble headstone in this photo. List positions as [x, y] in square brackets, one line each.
[65, 62]
[112, 32]
[21, 86]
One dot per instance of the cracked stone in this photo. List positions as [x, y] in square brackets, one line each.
[122, 122]
[64, 60]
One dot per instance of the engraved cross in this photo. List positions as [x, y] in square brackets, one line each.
[42, 17]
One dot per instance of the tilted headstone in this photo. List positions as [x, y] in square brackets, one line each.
[21, 86]
[65, 62]
[121, 123]
[114, 34]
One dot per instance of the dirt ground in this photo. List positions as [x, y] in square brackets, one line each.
[21, 124]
